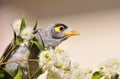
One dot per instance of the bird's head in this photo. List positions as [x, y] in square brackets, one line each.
[54, 34]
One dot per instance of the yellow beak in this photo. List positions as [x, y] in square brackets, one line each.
[70, 32]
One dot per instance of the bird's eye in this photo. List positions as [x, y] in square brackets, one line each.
[59, 28]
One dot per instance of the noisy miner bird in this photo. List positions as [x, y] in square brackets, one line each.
[50, 37]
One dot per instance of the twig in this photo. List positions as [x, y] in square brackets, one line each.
[22, 60]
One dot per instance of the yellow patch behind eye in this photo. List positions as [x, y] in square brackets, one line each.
[57, 29]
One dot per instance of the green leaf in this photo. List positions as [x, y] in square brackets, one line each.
[8, 72]
[19, 73]
[18, 41]
[37, 73]
[15, 36]
[31, 44]
[2, 74]
[35, 27]
[23, 24]
[40, 47]
[97, 75]
[28, 69]
[115, 76]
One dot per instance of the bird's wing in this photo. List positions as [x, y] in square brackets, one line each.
[8, 52]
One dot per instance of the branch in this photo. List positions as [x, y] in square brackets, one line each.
[22, 60]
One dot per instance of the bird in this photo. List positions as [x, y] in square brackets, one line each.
[49, 37]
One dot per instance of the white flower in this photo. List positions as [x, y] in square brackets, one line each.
[110, 67]
[25, 43]
[27, 33]
[103, 77]
[55, 73]
[75, 71]
[62, 59]
[47, 59]
[56, 62]
[16, 26]
[43, 76]
[86, 74]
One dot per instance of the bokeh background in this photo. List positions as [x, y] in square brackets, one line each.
[98, 22]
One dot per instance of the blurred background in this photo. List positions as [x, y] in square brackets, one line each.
[98, 22]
